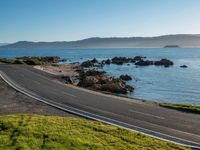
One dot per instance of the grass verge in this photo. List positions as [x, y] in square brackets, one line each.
[182, 107]
[46, 132]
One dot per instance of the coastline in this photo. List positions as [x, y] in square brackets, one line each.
[87, 77]
[72, 73]
[102, 105]
[109, 94]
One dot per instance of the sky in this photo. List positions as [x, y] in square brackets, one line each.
[68, 20]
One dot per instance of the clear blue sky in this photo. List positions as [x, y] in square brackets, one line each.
[61, 20]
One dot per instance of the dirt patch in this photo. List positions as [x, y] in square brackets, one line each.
[59, 69]
[13, 102]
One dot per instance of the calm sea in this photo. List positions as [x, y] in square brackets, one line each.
[173, 84]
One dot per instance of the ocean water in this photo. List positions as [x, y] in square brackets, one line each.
[153, 83]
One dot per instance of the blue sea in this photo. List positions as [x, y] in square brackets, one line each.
[153, 83]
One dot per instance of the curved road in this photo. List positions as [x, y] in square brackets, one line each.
[170, 125]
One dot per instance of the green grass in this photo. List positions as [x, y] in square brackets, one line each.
[182, 107]
[31, 60]
[35, 132]
[21, 61]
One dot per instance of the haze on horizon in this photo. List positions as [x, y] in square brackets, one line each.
[68, 20]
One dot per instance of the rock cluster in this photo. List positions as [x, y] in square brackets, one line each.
[183, 66]
[68, 79]
[90, 63]
[98, 80]
[122, 60]
[137, 60]
[125, 77]
[164, 62]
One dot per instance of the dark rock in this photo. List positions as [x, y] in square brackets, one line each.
[121, 60]
[94, 60]
[144, 63]
[114, 88]
[63, 60]
[68, 80]
[90, 63]
[87, 64]
[129, 88]
[132, 61]
[164, 62]
[99, 80]
[108, 62]
[94, 73]
[125, 77]
[88, 82]
[118, 60]
[79, 70]
[183, 66]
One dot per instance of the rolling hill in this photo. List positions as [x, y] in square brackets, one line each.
[182, 40]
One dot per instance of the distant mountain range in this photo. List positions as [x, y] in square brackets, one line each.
[180, 40]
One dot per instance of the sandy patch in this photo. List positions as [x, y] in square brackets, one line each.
[60, 69]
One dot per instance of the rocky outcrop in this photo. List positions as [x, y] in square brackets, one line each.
[125, 77]
[87, 64]
[120, 60]
[108, 62]
[90, 63]
[164, 62]
[68, 80]
[98, 80]
[144, 63]
[94, 73]
[183, 66]
[94, 60]
[138, 58]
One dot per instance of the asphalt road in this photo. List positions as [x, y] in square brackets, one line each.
[134, 114]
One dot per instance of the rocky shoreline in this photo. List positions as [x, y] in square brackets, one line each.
[90, 77]
[137, 60]
[89, 73]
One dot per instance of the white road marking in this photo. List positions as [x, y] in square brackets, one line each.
[146, 114]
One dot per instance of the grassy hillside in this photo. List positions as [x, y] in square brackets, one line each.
[41, 132]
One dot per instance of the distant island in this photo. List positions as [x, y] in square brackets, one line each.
[179, 40]
[172, 46]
